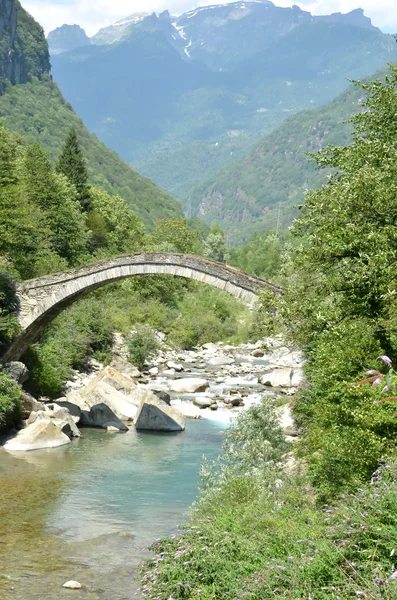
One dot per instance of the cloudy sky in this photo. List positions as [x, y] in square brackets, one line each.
[94, 14]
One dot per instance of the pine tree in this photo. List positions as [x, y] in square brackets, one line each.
[71, 163]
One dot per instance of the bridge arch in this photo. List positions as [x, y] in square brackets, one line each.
[43, 299]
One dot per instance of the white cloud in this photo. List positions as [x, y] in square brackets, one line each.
[94, 14]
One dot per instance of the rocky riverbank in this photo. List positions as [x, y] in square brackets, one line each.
[215, 381]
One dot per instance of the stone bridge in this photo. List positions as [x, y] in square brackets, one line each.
[42, 299]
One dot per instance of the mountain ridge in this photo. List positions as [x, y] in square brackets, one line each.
[32, 104]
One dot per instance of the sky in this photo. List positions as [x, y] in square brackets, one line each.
[94, 14]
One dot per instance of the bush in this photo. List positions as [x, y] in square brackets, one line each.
[10, 402]
[344, 434]
[280, 545]
[8, 305]
[142, 346]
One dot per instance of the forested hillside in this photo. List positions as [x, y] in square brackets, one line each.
[31, 104]
[263, 189]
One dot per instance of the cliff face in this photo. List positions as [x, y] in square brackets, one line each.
[23, 47]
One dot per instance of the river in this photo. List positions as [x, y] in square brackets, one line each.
[89, 510]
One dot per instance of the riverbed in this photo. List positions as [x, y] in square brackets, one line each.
[88, 511]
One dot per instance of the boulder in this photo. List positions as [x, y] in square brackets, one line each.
[43, 433]
[72, 585]
[192, 385]
[259, 353]
[101, 415]
[219, 361]
[17, 371]
[59, 416]
[124, 366]
[153, 371]
[164, 397]
[30, 404]
[210, 348]
[214, 406]
[74, 410]
[173, 365]
[155, 415]
[203, 402]
[118, 391]
[284, 357]
[283, 378]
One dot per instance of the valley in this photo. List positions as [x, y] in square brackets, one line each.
[198, 240]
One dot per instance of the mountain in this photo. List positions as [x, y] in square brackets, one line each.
[67, 37]
[261, 190]
[165, 106]
[23, 49]
[223, 35]
[32, 104]
[114, 33]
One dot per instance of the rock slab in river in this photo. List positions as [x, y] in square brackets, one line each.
[101, 415]
[118, 391]
[155, 415]
[192, 385]
[43, 433]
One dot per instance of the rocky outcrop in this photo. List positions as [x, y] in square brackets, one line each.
[23, 50]
[155, 415]
[17, 371]
[43, 433]
[67, 37]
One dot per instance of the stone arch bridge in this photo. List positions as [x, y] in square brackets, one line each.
[41, 300]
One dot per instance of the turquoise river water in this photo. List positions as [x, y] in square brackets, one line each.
[88, 511]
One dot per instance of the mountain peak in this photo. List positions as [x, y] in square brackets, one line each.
[114, 33]
[67, 37]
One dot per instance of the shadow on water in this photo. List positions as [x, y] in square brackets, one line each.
[87, 511]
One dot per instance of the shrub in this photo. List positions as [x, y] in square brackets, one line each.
[10, 402]
[142, 346]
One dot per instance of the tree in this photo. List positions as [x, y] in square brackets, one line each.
[114, 226]
[345, 266]
[71, 163]
[173, 235]
[215, 245]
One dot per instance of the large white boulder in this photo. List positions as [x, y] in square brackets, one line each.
[285, 377]
[60, 416]
[191, 385]
[43, 433]
[118, 391]
[155, 415]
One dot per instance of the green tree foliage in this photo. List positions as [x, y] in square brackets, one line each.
[142, 346]
[262, 255]
[10, 402]
[8, 307]
[173, 235]
[114, 226]
[72, 164]
[341, 299]
[215, 245]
